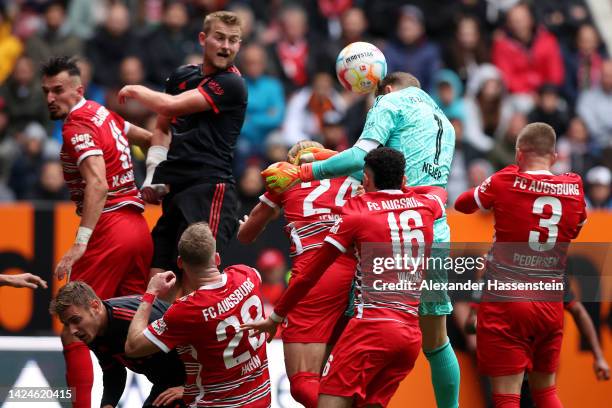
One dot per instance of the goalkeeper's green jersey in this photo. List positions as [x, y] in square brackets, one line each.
[409, 121]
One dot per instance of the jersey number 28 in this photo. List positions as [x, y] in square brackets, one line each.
[235, 321]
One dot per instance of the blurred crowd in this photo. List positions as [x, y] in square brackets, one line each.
[492, 66]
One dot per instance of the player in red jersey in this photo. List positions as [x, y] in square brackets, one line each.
[113, 247]
[380, 344]
[534, 207]
[310, 209]
[225, 366]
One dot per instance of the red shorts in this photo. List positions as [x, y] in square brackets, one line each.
[118, 255]
[370, 360]
[513, 337]
[314, 318]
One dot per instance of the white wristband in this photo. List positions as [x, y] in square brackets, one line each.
[276, 318]
[155, 155]
[83, 235]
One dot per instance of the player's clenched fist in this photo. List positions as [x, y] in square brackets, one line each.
[282, 175]
[161, 283]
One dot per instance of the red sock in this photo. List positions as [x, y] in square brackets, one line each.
[79, 373]
[305, 388]
[507, 400]
[546, 398]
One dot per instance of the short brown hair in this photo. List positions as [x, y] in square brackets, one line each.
[400, 79]
[197, 245]
[75, 293]
[537, 138]
[226, 17]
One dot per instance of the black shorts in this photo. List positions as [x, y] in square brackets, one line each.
[216, 204]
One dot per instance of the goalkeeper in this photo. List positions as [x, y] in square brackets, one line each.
[405, 118]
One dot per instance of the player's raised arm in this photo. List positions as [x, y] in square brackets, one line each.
[23, 280]
[182, 104]
[137, 344]
[256, 222]
[157, 153]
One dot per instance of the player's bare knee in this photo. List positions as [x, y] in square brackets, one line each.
[334, 401]
[507, 384]
[539, 380]
[433, 329]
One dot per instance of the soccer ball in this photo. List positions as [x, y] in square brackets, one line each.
[360, 66]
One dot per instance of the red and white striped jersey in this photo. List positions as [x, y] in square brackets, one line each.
[311, 209]
[92, 130]
[225, 367]
[385, 223]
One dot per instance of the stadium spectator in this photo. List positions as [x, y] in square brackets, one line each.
[550, 109]
[333, 134]
[34, 149]
[487, 109]
[594, 107]
[410, 50]
[167, 45]
[478, 171]
[55, 37]
[561, 17]
[583, 62]
[468, 49]
[355, 116]
[10, 46]
[457, 177]
[447, 92]
[276, 149]
[292, 55]
[353, 27]
[84, 15]
[504, 150]
[50, 186]
[305, 110]
[110, 45]
[598, 188]
[131, 72]
[575, 152]
[250, 186]
[250, 26]
[266, 107]
[273, 268]
[23, 100]
[526, 54]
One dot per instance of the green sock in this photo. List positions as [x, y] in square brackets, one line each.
[445, 375]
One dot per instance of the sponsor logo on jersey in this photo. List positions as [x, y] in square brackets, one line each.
[82, 141]
[159, 326]
[215, 87]
[100, 116]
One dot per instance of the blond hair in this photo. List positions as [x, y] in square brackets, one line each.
[298, 147]
[75, 293]
[226, 17]
[197, 245]
[537, 138]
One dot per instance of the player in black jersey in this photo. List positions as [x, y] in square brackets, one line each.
[103, 325]
[204, 108]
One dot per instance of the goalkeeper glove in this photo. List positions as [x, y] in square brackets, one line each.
[282, 175]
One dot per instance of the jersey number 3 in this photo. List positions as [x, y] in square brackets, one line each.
[550, 224]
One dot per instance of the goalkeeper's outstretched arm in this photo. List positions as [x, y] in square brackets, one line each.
[345, 163]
